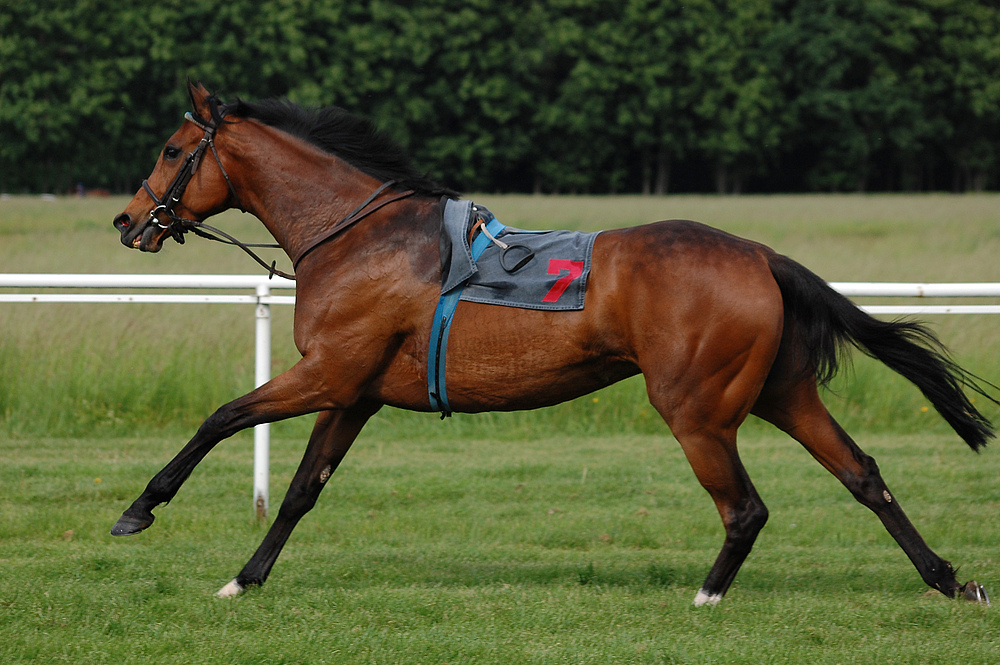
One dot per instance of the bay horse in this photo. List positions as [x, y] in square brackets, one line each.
[720, 327]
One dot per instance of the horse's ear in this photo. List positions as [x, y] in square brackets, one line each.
[198, 95]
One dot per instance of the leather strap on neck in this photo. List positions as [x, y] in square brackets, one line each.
[356, 216]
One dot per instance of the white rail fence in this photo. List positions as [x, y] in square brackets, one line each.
[126, 285]
[186, 287]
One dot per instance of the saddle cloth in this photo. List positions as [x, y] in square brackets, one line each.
[554, 278]
[500, 266]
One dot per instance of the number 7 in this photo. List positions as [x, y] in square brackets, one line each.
[556, 266]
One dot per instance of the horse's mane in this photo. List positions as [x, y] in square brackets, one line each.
[353, 138]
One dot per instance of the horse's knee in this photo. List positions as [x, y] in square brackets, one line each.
[746, 522]
[299, 500]
[303, 493]
[223, 423]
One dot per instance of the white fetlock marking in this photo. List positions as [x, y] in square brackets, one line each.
[705, 599]
[231, 590]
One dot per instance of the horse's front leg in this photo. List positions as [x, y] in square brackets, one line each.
[292, 393]
[331, 438]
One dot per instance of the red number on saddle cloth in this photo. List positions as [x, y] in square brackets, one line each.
[556, 266]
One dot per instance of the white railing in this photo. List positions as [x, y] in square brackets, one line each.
[920, 290]
[262, 299]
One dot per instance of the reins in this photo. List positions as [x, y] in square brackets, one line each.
[204, 231]
[354, 217]
[178, 226]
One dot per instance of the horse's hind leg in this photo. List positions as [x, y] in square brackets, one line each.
[705, 421]
[719, 470]
[332, 437]
[704, 387]
[795, 407]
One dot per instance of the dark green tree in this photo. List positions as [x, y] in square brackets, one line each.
[969, 63]
[566, 95]
[741, 113]
[64, 105]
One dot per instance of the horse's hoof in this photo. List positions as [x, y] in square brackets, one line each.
[704, 598]
[975, 592]
[128, 525]
[231, 590]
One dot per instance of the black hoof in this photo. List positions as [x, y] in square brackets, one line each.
[128, 525]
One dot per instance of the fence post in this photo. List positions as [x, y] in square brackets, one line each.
[262, 374]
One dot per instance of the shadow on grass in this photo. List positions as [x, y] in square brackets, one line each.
[848, 575]
[416, 569]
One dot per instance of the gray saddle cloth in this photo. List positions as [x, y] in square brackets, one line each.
[555, 278]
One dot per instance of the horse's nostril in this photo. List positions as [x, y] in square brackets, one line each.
[123, 221]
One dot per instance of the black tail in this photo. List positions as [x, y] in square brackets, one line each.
[827, 322]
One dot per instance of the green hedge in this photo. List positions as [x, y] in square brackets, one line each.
[562, 96]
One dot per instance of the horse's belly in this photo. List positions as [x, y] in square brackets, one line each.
[522, 384]
[503, 359]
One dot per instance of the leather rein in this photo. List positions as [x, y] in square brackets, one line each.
[178, 226]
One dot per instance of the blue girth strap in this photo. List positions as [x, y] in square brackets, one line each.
[443, 315]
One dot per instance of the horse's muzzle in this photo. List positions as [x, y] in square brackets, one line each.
[142, 236]
[125, 225]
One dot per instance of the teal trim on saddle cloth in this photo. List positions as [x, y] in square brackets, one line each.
[443, 316]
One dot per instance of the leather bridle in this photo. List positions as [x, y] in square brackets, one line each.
[178, 226]
[172, 196]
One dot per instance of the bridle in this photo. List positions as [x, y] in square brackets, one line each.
[178, 226]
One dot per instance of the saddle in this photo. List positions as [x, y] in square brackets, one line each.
[486, 262]
[545, 270]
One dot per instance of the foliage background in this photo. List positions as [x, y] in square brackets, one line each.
[586, 96]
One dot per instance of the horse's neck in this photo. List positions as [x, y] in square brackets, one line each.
[297, 190]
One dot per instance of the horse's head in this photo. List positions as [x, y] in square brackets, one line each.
[184, 187]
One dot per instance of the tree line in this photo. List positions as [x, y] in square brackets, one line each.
[586, 96]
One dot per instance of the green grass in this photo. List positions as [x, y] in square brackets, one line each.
[554, 550]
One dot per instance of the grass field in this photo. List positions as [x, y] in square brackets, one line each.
[572, 535]
[555, 550]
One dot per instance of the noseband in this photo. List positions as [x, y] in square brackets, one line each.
[179, 225]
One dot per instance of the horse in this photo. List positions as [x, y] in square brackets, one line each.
[720, 327]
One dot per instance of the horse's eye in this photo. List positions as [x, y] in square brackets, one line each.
[171, 152]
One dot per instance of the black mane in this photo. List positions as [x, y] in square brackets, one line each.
[353, 138]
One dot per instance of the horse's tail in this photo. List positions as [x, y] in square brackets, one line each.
[826, 323]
